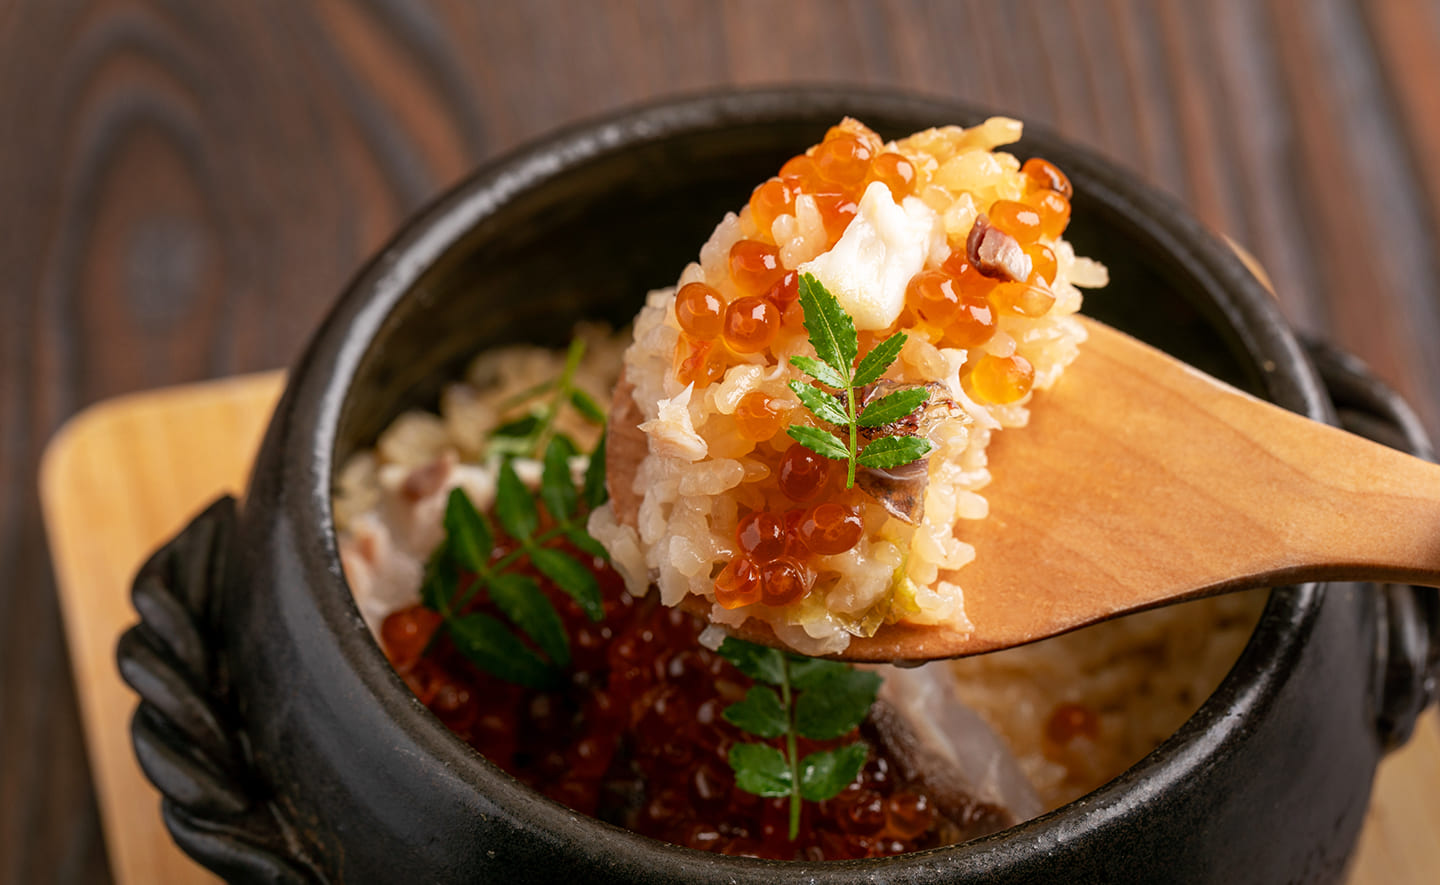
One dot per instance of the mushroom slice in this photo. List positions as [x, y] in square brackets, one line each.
[901, 490]
[995, 253]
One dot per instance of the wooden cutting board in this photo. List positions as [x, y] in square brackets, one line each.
[123, 476]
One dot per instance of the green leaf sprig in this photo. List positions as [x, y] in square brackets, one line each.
[832, 334]
[817, 699]
[528, 434]
[462, 567]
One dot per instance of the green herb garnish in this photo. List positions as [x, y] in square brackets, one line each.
[832, 334]
[818, 699]
[462, 567]
[531, 425]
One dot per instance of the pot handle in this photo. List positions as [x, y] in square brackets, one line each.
[1407, 649]
[186, 735]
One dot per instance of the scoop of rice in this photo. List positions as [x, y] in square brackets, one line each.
[868, 221]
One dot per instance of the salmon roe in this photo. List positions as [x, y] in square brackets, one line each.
[738, 584]
[1033, 299]
[1054, 212]
[973, 283]
[800, 174]
[895, 172]
[1045, 175]
[699, 310]
[844, 160]
[750, 324]
[836, 212]
[830, 528]
[761, 536]
[1000, 379]
[803, 474]
[1043, 264]
[783, 581]
[755, 266]
[1017, 219]
[696, 362]
[633, 735]
[934, 295]
[407, 633]
[973, 319]
[759, 417]
[786, 291]
[1069, 721]
[768, 202]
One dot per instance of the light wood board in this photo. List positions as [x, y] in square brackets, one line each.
[125, 475]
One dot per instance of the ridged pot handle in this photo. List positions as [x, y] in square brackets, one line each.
[1408, 644]
[186, 736]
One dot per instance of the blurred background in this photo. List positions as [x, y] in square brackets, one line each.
[185, 186]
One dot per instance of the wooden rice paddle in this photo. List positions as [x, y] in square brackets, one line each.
[1139, 482]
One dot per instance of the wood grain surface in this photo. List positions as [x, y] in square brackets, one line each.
[184, 186]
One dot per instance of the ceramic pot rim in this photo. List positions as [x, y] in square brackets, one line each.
[320, 386]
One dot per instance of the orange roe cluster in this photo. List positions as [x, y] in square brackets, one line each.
[635, 735]
[957, 304]
[954, 305]
[941, 235]
[807, 516]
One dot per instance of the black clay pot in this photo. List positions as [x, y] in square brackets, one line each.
[288, 749]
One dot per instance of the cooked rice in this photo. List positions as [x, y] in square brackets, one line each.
[700, 475]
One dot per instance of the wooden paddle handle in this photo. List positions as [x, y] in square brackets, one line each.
[1343, 506]
[1409, 651]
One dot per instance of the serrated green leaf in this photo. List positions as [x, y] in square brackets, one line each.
[576, 580]
[760, 769]
[835, 703]
[755, 661]
[818, 370]
[490, 645]
[892, 451]
[441, 580]
[760, 713]
[585, 404]
[467, 535]
[819, 441]
[806, 672]
[595, 492]
[823, 775]
[557, 486]
[821, 404]
[832, 332]
[520, 428]
[585, 543]
[878, 360]
[514, 504]
[892, 407]
[528, 393]
[519, 597]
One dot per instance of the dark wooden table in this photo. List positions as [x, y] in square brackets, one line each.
[185, 186]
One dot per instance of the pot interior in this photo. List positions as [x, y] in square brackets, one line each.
[582, 226]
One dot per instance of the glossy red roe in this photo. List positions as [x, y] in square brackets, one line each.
[830, 528]
[783, 581]
[636, 735]
[1069, 721]
[761, 535]
[803, 474]
[699, 309]
[738, 583]
[407, 632]
[755, 266]
[751, 324]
